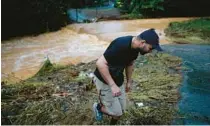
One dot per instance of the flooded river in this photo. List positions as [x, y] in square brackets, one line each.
[23, 57]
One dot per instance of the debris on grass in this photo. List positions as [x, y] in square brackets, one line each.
[64, 95]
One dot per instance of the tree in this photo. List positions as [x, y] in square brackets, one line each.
[139, 6]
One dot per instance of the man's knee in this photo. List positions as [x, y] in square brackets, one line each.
[117, 114]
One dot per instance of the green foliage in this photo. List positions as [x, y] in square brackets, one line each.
[46, 67]
[152, 4]
[33, 16]
[140, 6]
[191, 31]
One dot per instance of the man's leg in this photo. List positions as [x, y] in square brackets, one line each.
[108, 105]
[101, 109]
[114, 119]
[97, 106]
[111, 106]
[122, 101]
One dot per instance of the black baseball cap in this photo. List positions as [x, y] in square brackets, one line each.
[151, 37]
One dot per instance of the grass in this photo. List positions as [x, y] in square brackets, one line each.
[195, 31]
[63, 95]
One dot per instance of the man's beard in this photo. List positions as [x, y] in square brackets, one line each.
[142, 51]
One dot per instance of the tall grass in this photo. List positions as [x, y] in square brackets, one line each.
[191, 31]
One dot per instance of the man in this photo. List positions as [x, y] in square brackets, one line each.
[109, 78]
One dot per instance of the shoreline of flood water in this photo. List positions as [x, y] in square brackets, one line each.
[23, 57]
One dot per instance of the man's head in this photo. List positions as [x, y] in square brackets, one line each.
[146, 42]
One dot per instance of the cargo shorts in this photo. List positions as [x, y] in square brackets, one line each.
[115, 106]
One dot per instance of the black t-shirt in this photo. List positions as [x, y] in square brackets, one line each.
[118, 55]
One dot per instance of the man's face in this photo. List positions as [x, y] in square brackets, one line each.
[146, 48]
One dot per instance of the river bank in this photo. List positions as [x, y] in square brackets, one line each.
[64, 94]
[195, 31]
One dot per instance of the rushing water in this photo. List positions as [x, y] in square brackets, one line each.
[194, 105]
[22, 57]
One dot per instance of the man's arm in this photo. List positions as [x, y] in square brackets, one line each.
[128, 72]
[103, 68]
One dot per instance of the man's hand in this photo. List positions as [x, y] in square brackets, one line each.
[115, 90]
[127, 87]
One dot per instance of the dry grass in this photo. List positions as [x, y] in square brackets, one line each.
[64, 94]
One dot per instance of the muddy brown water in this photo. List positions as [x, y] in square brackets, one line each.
[22, 57]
